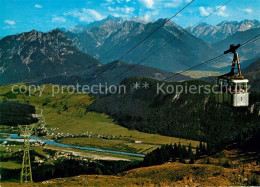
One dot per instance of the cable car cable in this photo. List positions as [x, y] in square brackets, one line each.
[184, 31]
[140, 42]
[189, 69]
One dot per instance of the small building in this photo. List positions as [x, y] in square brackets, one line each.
[37, 115]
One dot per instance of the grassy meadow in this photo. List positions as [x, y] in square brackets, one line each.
[67, 113]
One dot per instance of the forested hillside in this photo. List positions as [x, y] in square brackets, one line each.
[192, 116]
[252, 73]
[14, 113]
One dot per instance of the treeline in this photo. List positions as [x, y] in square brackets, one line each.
[69, 167]
[18, 156]
[173, 153]
[190, 116]
[13, 113]
[249, 142]
[66, 168]
[62, 167]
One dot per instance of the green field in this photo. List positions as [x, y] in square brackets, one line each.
[10, 165]
[200, 74]
[10, 149]
[68, 114]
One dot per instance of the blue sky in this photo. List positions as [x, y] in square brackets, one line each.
[17, 16]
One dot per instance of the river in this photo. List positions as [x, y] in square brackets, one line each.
[17, 138]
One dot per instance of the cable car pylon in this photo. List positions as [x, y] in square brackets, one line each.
[26, 174]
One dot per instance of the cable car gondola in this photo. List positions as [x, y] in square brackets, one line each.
[232, 86]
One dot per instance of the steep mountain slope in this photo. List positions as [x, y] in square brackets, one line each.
[120, 70]
[252, 73]
[188, 115]
[108, 42]
[221, 169]
[114, 75]
[250, 51]
[213, 34]
[34, 55]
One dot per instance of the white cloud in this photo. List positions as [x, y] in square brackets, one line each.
[9, 22]
[120, 15]
[221, 11]
[247, 10]
[8, 27]
[94, 13]
[112, 9]
[86, 15]
[148, 15]
[174, 3]
[205, 11]
[125, 9]
[129, 9]
[58, 19]
[148, 3]
[108, 2]
[37, 6]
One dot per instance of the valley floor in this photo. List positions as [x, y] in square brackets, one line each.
[68, 122]
[226, 168]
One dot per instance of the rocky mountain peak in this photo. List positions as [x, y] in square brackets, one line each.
[203, 24]
[34, 55]
[108, 43]
[221, 31]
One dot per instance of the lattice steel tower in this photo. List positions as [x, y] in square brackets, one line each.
[26, 131]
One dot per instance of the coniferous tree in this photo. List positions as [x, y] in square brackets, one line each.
[190, 150]
[171, 150]
[184, 152]
[181, 160]
[175, 148]
[191, 159]
[179, 150]
[197, 152]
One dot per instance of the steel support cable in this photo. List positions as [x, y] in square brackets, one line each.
[182, 72]
[183, 32]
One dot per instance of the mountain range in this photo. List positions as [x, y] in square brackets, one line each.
[114, 75]
[251, 51]
[102, 38]
[52, 58]
[213, 34]
[35, 55]
[57, 56]
[114, 37]
[110, 20]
